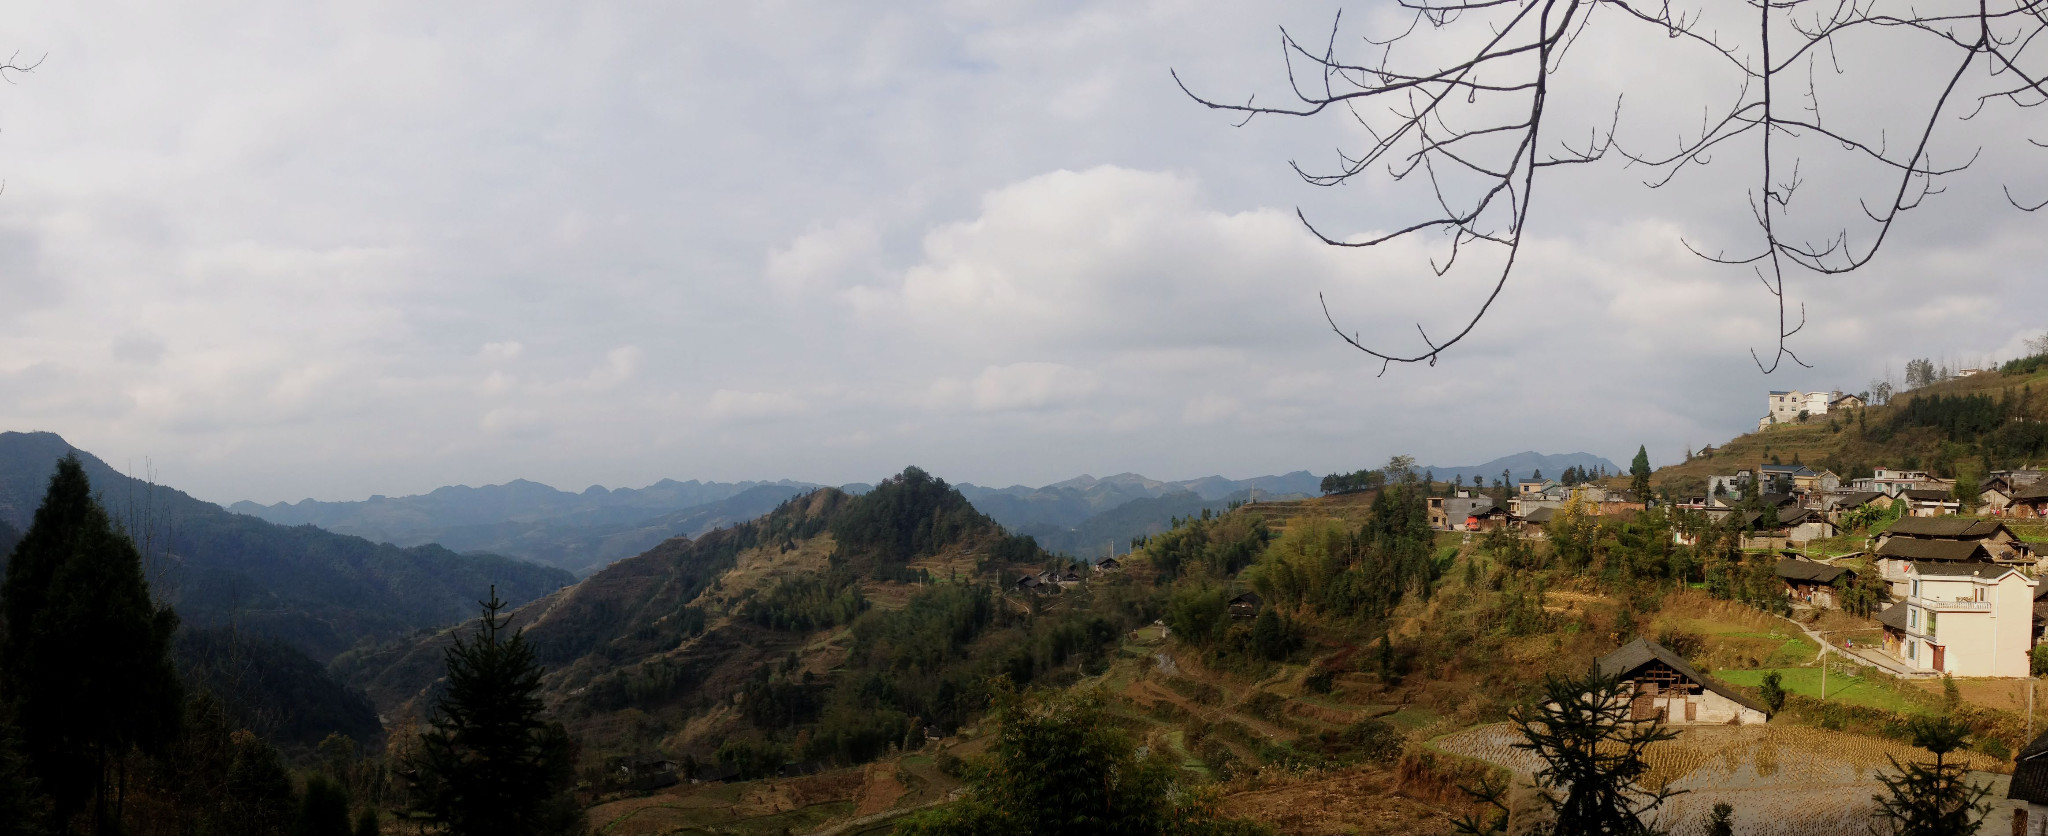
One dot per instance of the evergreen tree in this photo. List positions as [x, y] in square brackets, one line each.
[1592, 754]
[323, 810]
[85, 655]
[1639, 473]
[1934, 799]
[259, 797]
[23, 809]
[489, 764]
[1722, 821]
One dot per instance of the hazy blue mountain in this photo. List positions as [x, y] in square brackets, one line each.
[575, 543]
[580, 532]
[1065, 505]
[402, 519]
[319, 591]
[1523, 465]
[1092, 537]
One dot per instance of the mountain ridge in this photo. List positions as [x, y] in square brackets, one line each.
[317, 590]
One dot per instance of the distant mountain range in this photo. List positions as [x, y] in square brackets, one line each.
[580, 532]
[584, 532]
[1523, 465]
[319, 591]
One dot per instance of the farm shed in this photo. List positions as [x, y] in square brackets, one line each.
[1811, 582]
[1668, 689]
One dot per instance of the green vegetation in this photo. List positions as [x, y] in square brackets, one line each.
[1866, 690]
[85, 660]
[1931, 799]
[807, 603]
[1593, 755]
[1059, 766]
[489, 763]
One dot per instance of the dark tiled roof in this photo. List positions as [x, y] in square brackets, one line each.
[1961, 569]
[1857, 499]
[1893, 617]
[1907, 548]
[1951, 528]
[2030, 774]
[1794, 514]
[1928, 495]
[1249, 599]
[2032, 493]
[1541, 515]
[1641, 652]
[1809, 570]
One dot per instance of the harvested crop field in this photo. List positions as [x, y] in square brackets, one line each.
[1780, 779]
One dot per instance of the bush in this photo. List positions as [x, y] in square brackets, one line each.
[1772, 691]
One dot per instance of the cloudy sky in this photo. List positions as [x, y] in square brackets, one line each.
[334, 249]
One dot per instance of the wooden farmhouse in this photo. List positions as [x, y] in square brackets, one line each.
[1666, 689]
[1812, 582]
[1246, 605]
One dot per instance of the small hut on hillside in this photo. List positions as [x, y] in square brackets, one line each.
[1665, 688]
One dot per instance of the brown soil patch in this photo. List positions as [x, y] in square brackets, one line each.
[2001, 694]
[1335, 716]
[879, 790]
[1365, 802]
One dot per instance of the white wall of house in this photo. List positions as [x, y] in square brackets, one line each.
[1983, 624]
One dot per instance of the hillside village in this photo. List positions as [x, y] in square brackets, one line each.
[1787, 607]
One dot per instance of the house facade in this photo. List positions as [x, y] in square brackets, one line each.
[1966, 619]
[1662, 686]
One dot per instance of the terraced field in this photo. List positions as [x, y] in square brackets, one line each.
[1781, 780]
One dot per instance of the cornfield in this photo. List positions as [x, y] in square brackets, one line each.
[1780, 779]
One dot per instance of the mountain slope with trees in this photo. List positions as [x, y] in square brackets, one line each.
[319, 591]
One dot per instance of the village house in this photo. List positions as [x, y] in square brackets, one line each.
[2000, 544]
[1791, 407]
[1967, 619]
[1454, 513]
[1812, 582]
[1664, 687]
[1891, 482]
[1109, 564]
[1927, 502]
[1727, 491]
[1246, 605]
[1839, 505]
[1996, 493]
[2030, 501]
[1894, 558]
[1801, 524]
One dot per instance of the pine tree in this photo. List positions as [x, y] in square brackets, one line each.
[1593, 754]
[1931, 799]
[85, 656]
[1639, 471]
[490, 764]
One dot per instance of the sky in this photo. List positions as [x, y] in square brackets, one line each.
[334, 249]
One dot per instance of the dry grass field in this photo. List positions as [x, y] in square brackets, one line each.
[1781, 780]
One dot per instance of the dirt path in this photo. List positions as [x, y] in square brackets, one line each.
[1873, 660]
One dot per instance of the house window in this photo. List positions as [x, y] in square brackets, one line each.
[1913, 618]
[1930, 623]
[1916, 589]
[1911, 647]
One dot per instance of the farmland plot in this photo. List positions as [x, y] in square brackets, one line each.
[1782, 780]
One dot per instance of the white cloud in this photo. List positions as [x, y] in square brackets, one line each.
[739, 404]
[364, 251]
[1030, 386]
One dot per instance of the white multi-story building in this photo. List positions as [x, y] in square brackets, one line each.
[1967, 618]
[1786, 406]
